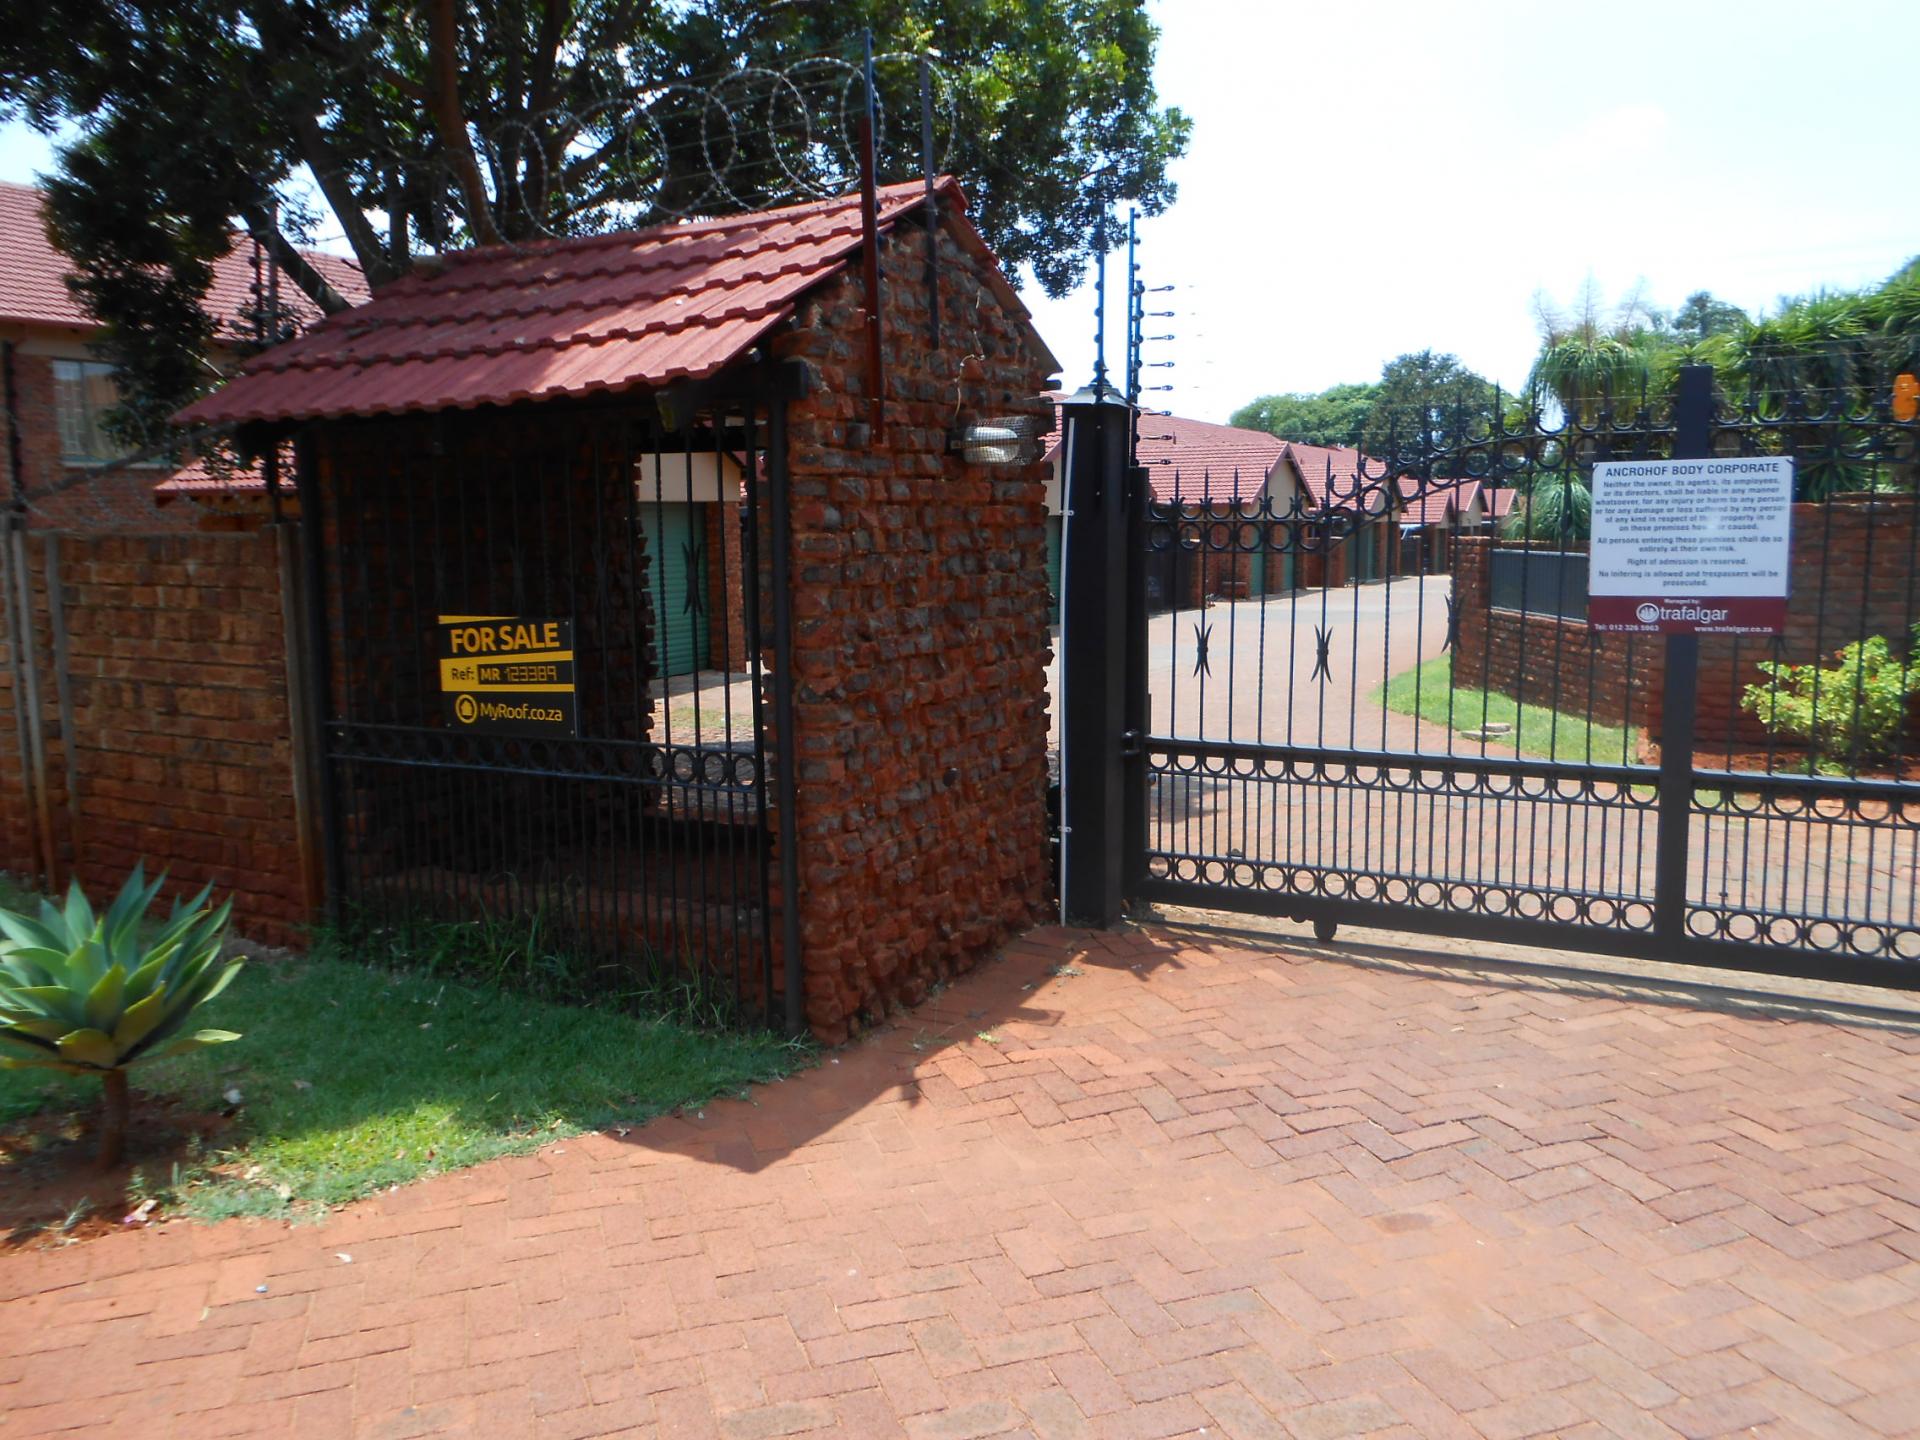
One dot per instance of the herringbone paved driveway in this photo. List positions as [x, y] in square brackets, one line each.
[1162, 1191]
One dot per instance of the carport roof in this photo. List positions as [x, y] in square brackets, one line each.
[571, 317]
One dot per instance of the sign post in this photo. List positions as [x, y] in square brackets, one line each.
[508, 675]
[1696, 545]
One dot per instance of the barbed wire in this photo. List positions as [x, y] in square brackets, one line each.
[682, 149]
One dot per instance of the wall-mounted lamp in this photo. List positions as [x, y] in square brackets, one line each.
[996, 440]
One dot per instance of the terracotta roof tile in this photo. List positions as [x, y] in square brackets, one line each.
[1441, 503]
[1196, 459]
[567, 317]
[33, 288]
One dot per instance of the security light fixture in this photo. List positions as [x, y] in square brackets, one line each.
[996, 440]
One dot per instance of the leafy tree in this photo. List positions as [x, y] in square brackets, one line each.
[1556, 508]
[1700, 317]
[1428, 403]
[437, 124]
[1336, 416]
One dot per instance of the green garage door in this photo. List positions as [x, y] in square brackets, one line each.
[1054, 534]
[677, 583]
[1256, 574]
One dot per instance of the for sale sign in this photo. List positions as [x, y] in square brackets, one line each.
[508, 674]
[1691, 546]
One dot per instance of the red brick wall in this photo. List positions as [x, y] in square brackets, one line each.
[1544, 660]
[1854, 574]
[34, 414]
[920, 640]
[176, 678]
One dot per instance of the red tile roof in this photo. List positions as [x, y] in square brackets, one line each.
[569, 317]
[1196, 459]
[1499, 501]
[198, 479]
[33, 288]
[1335, 474]
[1444, 502]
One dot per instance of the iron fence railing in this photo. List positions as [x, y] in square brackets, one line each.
[1417, 754]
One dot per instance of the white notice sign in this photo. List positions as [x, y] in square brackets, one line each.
[1691, 546]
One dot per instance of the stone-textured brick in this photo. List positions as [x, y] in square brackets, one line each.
[920, 617]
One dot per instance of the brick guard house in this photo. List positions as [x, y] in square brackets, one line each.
[854, 807]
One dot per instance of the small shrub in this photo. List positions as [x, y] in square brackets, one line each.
[1854, 709]
[96, 995]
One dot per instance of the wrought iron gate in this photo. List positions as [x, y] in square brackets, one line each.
[639, 829]
[1459, 753]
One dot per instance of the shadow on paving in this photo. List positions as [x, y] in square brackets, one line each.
[904, 1059]
[898, 1061]
[1514, 967]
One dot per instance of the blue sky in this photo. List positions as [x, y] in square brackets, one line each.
[1375, 176]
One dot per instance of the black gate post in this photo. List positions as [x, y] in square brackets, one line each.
[1095, 576]
[1135, 714]
[1679, 697]
[319, 673]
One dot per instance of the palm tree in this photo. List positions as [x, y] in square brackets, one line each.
[1590, 365]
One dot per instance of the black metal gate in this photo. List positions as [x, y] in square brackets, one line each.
[611, 813]
[1459, 753]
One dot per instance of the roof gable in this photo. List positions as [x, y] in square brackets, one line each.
[1441, 501]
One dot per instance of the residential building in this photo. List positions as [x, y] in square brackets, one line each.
[64, 464]
[1293, 489]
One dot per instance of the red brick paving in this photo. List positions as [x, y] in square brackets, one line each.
[1184, 1190]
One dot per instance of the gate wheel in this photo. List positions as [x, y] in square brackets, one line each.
[1324, 929]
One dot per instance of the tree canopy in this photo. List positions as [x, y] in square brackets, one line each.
[1427, 402]
[1336, 416]
[436, 125]
[1422, 401]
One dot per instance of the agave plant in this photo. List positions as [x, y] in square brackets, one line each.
[94, 995]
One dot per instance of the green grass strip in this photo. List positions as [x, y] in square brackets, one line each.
[353, 1079]
[1427, 690]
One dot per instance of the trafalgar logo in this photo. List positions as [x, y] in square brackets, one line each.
[1651, 613]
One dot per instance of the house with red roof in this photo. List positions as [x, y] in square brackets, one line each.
[1227, 470]
[1433, 517]
[57, 389]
